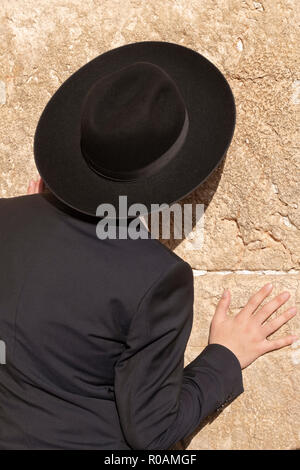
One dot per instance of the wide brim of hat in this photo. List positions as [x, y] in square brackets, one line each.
[211, 110]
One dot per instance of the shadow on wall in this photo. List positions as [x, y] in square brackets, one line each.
[202, 195]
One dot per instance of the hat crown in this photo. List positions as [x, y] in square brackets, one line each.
[133, 122]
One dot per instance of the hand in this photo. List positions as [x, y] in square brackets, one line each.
[36, 187]
[245, 334]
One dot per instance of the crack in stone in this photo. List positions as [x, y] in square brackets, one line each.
[234, 76]
[267, 232]
[281, 242]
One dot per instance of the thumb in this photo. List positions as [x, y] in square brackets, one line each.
[223, 306]
[39, 185]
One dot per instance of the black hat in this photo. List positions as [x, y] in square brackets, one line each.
[149, 120]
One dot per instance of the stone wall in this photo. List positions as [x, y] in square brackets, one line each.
[252, 216]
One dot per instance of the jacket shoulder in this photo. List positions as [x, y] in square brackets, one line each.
[151, 261]
[155, 255]
[20, 202]
[19, 210]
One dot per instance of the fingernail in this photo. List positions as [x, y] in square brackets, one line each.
[293, 310]
[295, 338]
[269, 286]
[225, 294]
[285, 295]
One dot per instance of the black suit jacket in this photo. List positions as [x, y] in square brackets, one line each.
[95, 335]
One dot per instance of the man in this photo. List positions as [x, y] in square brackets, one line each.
[95, 330]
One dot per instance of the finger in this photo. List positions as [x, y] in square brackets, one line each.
[272, 345]
[223, 305]
[274, 325]
[269, 308]
[40, 185]
[256, 300]
[35, 186]
[30, 189]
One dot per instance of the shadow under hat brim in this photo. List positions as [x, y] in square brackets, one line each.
[211, 110]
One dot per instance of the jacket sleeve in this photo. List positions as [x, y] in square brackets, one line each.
[158, 401]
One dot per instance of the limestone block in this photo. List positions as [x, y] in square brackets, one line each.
[252, 213]
[267, 414]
